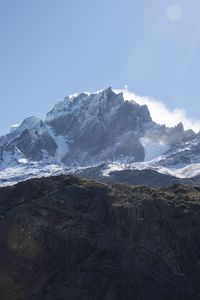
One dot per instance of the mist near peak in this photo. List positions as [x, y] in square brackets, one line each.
[160, 113]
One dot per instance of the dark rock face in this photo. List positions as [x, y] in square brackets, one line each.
[147, 177]
[32, 148]
[100, 127]
[31, 140]
[64, 238]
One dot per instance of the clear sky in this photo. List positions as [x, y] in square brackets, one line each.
[52, 48]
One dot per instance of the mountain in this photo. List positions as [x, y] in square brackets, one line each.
[65, 238]
[81, 130]
[87, 130]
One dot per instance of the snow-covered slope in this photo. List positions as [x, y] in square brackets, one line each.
[91, 129]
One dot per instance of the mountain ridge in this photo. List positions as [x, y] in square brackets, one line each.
[87, 130]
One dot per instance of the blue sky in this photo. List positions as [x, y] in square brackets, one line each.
[52, 48]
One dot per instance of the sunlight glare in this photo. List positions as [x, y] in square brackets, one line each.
[174, 13]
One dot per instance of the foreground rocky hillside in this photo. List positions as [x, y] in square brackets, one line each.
[64, 238]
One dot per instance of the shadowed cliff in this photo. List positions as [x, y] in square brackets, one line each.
[64, 238]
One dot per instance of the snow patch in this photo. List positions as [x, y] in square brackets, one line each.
[186, 172]
[23, 161]
[62, 145]
[13, 175]
[113, 167]
[14, 126]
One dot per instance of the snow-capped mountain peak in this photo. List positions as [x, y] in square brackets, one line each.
[93, 128]
[86, 106]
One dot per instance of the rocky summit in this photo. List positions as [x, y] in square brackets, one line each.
[81, 130]
[64, 238]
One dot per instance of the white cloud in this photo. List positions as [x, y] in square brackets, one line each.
[160, 113]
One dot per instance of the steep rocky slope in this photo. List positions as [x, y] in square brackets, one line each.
[81, 130]
[63, 238]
